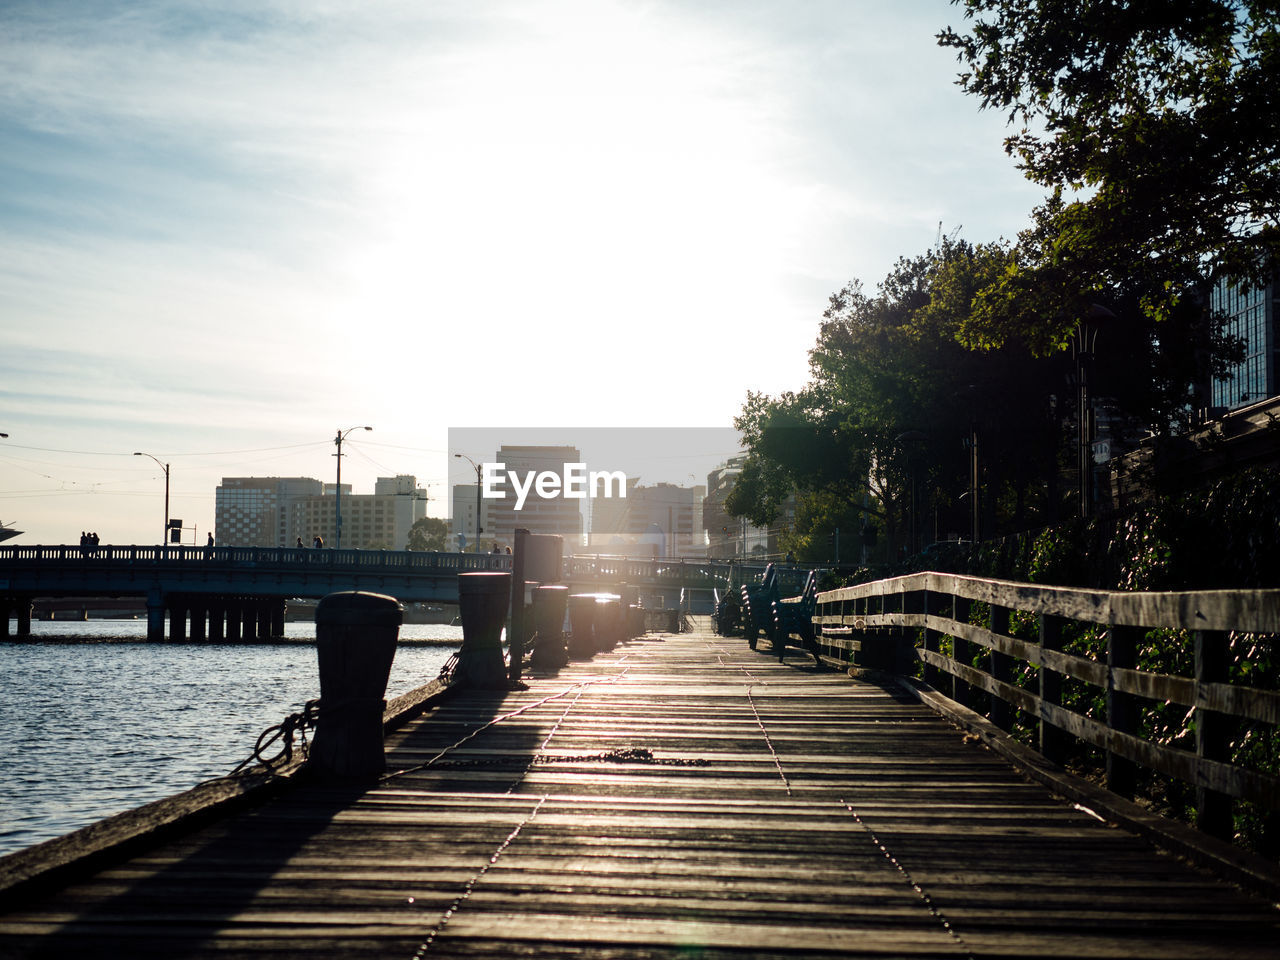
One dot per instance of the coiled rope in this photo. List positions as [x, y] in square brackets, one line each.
[295, 723]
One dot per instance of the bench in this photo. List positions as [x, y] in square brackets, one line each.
[793, 616]
[757, 605]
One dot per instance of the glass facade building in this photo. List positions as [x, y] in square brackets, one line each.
[1251, 315]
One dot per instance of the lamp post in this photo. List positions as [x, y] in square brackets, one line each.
[915, 438]
[164, 537]
[1084, 344]
[337, 489]
[479, 489]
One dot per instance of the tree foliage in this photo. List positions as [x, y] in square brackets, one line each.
[1156, 129]
[880, 434]
[430, 534]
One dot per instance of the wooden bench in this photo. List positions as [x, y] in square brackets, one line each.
[757, 605]
[793, 616]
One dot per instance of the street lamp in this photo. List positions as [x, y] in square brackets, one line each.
[479, 489]
[337, 492]
[914, 437]
[164, 537]
[1084, 345]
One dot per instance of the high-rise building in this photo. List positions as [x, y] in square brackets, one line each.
[730, 536]
[273, 511]
[255, 511]
[377, 521]
[1251, 316]
[662, 515]
[557, 515]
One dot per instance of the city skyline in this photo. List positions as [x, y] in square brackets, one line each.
[229, 232]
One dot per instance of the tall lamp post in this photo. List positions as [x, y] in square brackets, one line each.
[479, 489]
[915, 438]
[337, 489]
[164, 537]
[1084, 345]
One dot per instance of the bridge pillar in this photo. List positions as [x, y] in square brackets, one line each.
[24, 618]
[233, 614]
[249, 624]
[155, 615]
[199, 610]
[278, 609]
[217, 620]
[4, 618]
[177, 621]
[262, 614]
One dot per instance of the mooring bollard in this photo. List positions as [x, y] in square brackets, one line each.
[609, 623]
[482, 600]
[582, 615]
[549, 651]
[356, 636]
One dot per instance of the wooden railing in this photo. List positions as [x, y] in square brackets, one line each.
[959, 635]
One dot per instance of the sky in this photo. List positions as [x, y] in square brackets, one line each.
[230, 231]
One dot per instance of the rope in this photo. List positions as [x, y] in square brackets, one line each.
[298, 723]
[906, 875]
[496, 720]
[470, 884]
[777, 761]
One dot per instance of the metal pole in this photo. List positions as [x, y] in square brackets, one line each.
[479, 490]
[337, 493]
[164, 537]
[337, 497]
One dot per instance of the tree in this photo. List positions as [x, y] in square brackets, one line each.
[879, 433]
[430, 534]
[1156, 129]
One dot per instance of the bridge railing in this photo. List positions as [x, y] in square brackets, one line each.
[1156, 682]
[677, 571]
[385, 561]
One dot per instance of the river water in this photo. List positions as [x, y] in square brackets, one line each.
[94, 720]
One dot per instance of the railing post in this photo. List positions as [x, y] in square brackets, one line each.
[961, 692]
[1214, 813]
[1053, 742]
[1122, 714]
[932, 643]
[1001, 669]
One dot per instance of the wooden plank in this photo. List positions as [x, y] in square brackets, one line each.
[765, 809]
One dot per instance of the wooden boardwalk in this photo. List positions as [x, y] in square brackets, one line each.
[676, 797]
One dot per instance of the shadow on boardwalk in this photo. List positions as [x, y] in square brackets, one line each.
[677, 797]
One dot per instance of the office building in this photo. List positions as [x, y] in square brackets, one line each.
[558, 515]
[1251, 316]
[662, 519]
[277, 512]
[255, 511]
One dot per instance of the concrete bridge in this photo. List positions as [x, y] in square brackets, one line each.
[233, 593]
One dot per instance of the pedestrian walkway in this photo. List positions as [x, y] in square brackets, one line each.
[678, 796]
